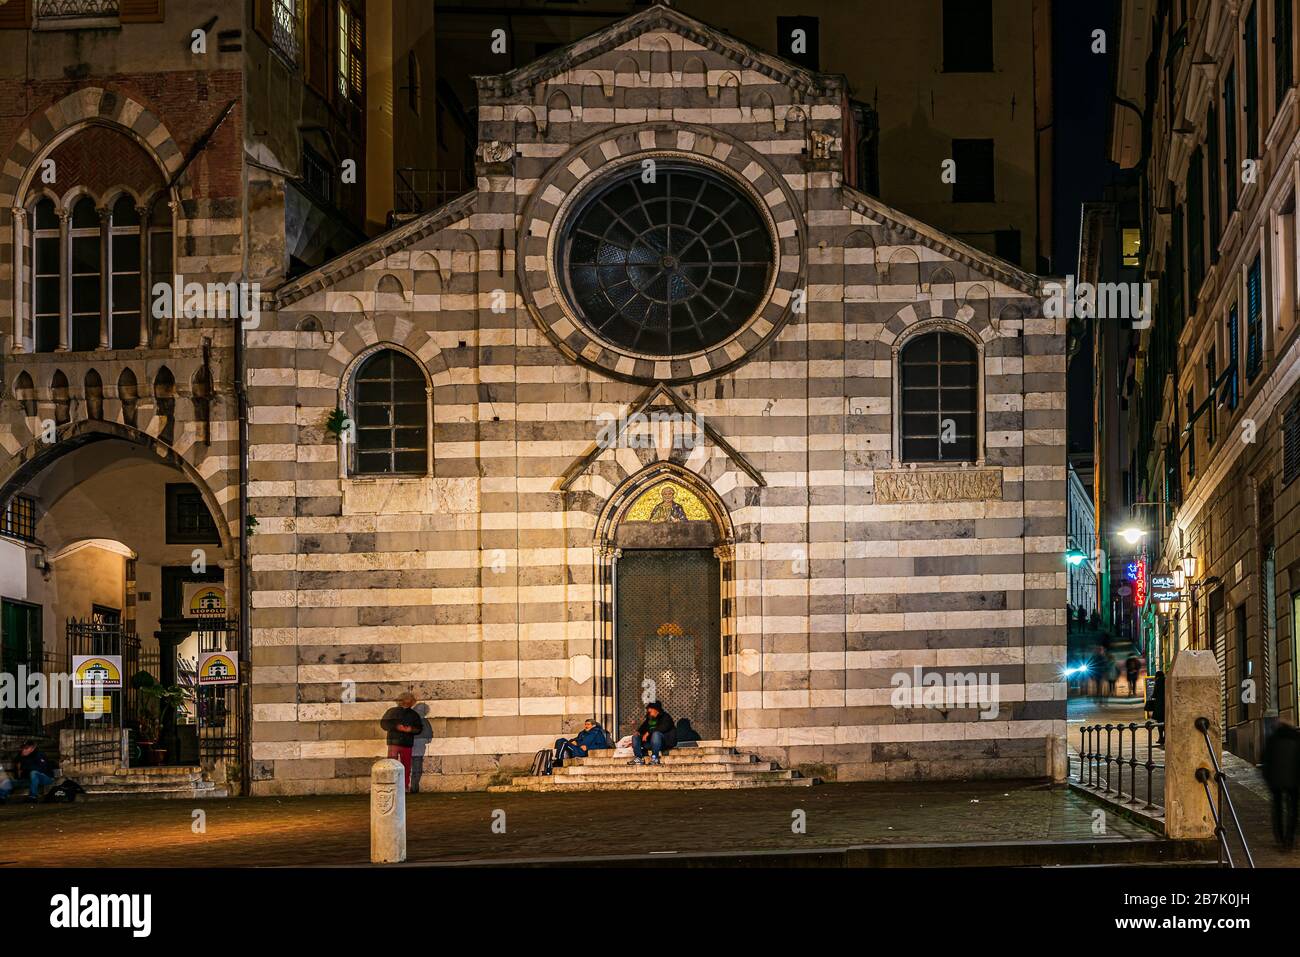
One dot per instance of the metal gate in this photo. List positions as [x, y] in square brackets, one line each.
[98, 733]
[668, 637]
[218, 709]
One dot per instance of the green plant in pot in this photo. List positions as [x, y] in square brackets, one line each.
[156, 700]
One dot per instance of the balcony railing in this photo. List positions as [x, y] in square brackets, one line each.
[419, 190]
[284, 28]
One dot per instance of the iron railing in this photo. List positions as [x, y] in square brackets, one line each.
[1103, 771]
[419, 190]
[1225, 800]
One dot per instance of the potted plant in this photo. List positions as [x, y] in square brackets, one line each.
[156, 700]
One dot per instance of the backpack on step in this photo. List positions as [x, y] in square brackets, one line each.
[542, 762]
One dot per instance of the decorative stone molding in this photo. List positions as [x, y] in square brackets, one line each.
[906, 486]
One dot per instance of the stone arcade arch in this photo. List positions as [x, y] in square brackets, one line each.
[666, 568]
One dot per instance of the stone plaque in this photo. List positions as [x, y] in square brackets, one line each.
[935, 485]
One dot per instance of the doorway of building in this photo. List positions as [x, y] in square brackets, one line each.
[668, 637]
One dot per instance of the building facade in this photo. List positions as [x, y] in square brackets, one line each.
[931, 81]
[1214, 431]
[158, 173]
[664, 406]
[1081, 590]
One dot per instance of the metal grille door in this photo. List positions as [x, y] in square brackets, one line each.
[668, 638]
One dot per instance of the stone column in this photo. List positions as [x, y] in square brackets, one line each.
[387, 812]
[1191, 692]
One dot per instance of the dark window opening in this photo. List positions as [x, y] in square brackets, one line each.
[1254, 320]
[20, 519]
[188, 520]
[974, 161]
[939, 379]
[967, 36]
[390, 412]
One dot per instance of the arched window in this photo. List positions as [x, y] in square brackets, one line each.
[391, 417]
[940, 399]
[124, 270]
[86, 241]
[46, 313]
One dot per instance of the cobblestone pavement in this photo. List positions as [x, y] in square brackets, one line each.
[452, 827]
[1250, 795]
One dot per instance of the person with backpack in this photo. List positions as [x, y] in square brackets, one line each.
[657, 733]
[592, 737]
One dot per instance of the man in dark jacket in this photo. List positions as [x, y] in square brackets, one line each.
[402, 723]
[1281, 767]
[590, 738]
[35, 767]
[1156, 705]
[656, 733]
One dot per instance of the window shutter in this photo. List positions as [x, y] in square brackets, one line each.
[15, 14]
[1291, 443]
[262, 18]
[140, 11]
[316, 19]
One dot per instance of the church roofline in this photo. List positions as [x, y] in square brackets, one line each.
[373, 250]
[529, 75]
[915, 230]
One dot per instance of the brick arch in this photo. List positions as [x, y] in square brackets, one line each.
[64, 119]
[38, 455]
[901, 324]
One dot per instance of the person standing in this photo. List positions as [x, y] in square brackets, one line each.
[1155, 705]
[402, 723]
[1281, 767]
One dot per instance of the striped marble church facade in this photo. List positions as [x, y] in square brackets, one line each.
[497, 553]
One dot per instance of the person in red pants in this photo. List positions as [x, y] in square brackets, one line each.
[402, 723]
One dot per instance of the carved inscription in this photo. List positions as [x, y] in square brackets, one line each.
[956, 485]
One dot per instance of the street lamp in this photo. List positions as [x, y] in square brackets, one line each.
[1189, 566]
[1132, 534]
[1076, 557]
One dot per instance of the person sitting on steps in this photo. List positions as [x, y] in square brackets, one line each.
[590, 738]
[656, 733]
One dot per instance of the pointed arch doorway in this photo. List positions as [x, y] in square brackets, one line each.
[667, 554]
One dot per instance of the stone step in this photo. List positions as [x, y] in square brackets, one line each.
[736, 783]
[651, 774]
[138, 781]
[693, 767]
[689, 756]
[205, 790]
[161, 769]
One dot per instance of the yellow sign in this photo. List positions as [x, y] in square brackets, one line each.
[205, 601]
[218, 668]
[101, 672]
[95, 705]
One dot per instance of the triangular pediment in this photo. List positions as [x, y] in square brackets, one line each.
[628, 429]
[657, 19]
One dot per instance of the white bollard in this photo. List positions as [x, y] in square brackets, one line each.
[387, 812]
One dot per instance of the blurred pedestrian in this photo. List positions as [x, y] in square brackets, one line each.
[1281, 767]
[1133, 668]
